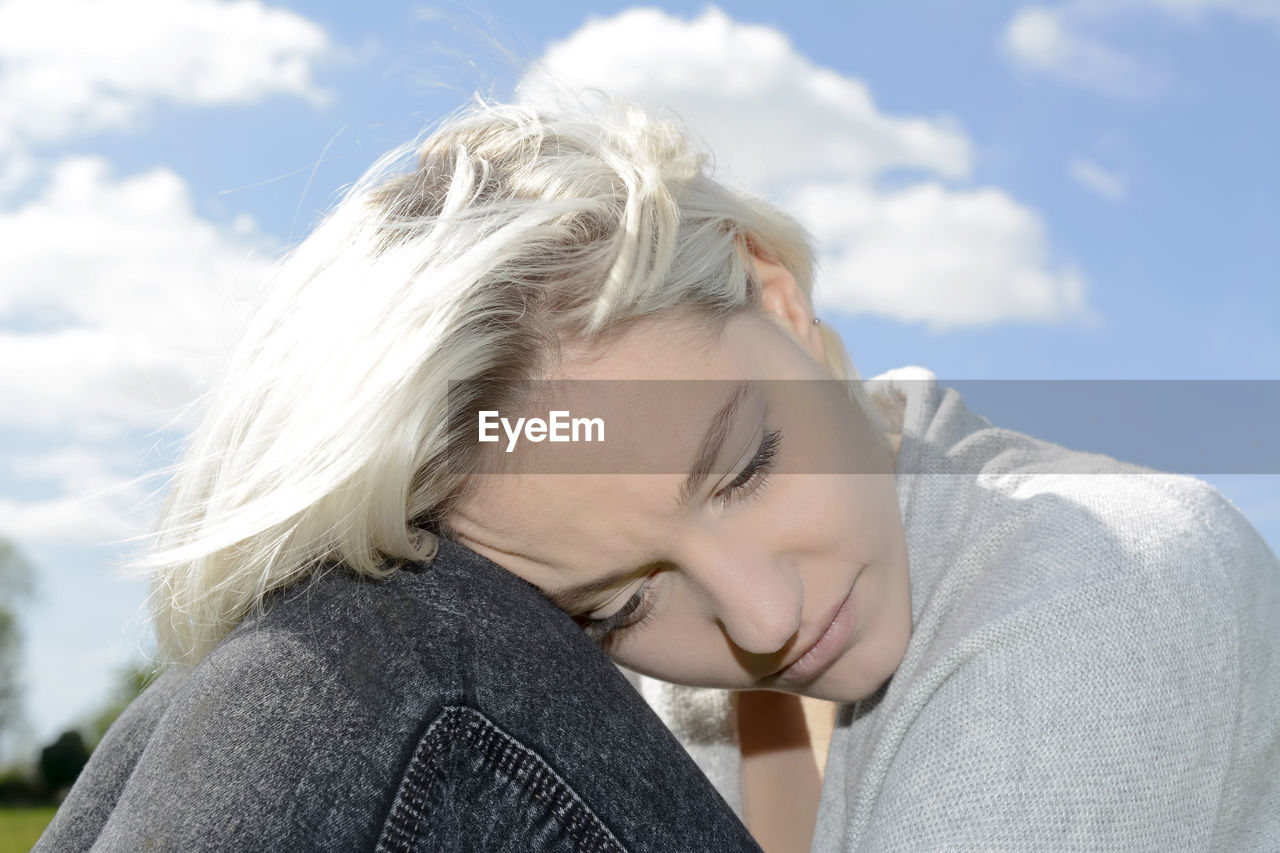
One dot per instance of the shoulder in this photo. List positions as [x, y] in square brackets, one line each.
[1091, 511]
[1107, 601]
[1089, 651]
[1078, 672]
[1087, 518]
[1003, 526]
[1095, 663]
[1055, 577]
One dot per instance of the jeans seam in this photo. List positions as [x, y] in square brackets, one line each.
[407, 814]
[505, 756]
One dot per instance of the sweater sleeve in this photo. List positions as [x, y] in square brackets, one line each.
[1100, 716]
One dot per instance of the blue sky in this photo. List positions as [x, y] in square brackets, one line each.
[1000, 191]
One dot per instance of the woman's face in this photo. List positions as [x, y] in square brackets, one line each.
[735, 585]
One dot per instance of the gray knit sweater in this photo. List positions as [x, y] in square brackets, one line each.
[1094, 661]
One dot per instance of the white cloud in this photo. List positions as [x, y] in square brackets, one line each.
[75, 66]
[97, 500]
[16, 168]
[67, 520]
[116, 303]
[815, 141]
[1060, 41]
[115, 300]
[937, 256]
[770, 114]
[71, 466]
[1108, 184]
[1050, 41]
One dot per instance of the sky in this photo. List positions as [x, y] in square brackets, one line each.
[998, 190]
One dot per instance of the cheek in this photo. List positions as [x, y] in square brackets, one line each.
[682, 645]
[870, 501]
[813, 513]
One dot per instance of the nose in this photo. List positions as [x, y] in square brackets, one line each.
[756, 596]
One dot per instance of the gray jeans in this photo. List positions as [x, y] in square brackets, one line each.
[448, 708]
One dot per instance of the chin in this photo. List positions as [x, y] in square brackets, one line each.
[842, 694]
[860, 673]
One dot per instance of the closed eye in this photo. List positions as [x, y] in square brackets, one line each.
[756, 472]
[631, 613]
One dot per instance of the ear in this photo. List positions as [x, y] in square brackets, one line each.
[787, 305]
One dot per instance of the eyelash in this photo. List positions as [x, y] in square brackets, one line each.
[606, 630]
[748, 484]
[756, 473]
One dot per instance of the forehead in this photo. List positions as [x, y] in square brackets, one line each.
[553, 523]
[673, 345]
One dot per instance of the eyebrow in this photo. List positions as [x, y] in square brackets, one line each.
[575, 597]
[718, 430]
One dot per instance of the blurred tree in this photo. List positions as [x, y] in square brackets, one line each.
[130, 681]
[17, 583]
[18, 787]
[62, 760]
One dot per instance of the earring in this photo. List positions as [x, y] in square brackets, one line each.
[816, 321]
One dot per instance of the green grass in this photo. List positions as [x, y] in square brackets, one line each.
[19, 828]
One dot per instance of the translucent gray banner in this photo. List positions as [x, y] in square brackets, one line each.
[716, 427]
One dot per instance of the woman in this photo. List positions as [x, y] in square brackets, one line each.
[366, 562]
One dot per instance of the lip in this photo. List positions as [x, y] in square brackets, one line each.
[823, 650]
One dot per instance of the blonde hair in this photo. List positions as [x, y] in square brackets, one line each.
[328, 437]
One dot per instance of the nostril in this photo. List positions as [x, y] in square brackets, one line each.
[761, 666]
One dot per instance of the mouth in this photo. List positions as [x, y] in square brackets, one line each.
[823, 649]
